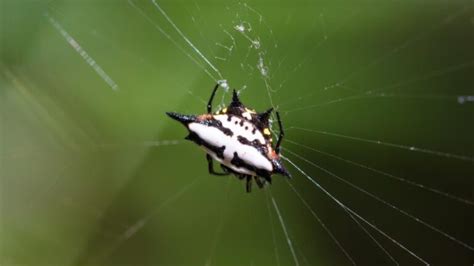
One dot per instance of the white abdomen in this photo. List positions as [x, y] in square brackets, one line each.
[217, 138]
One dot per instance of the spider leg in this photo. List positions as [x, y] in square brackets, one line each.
[265, 176]
[281, 135]
[260, 181]
[226, 169]
[249, 183]
[209, 104]
[210, 166]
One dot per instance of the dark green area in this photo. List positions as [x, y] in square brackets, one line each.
[96, 176]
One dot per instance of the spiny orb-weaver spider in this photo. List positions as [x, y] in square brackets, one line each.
[238, 138]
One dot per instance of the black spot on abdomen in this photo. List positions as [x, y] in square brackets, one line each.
[238, 162]
[262, 148]
[218, 124]
[219, 151]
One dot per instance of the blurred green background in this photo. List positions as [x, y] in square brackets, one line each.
[93, 172]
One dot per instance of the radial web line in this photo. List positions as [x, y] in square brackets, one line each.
[427, 76]
[145, 144]
[141, 223]
[373, 238]
[407, 43]
[400, 146]
[320, 43]
[323, 225]
[369, 95]
[272, 226]
[353, 212]
[284, 230]
[186, 39]
[77, 47]
[387, 203]
[303, 257]
[130, 2]
[412, 183]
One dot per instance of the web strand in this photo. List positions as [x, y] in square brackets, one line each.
[412, 183]
[186, 39]
[419, 36]
[175, 43]
[272, 226]
[389, 144]
[78, 48]
[323, 225]
[288, 240]
[416, 219]
[354, 213]
[342, 82]
[141, 223]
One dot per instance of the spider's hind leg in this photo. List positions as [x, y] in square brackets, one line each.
[227, 170]
[210, 167]
[260, 181]
[249, 183]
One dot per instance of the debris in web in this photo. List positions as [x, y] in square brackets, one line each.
[465, 99]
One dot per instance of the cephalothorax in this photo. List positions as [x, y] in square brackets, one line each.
[238, 138]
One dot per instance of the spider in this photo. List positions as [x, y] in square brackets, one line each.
[239, 139]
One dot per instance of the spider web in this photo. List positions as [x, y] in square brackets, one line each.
[376, 101]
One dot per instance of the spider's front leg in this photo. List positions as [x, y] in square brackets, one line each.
[210, 166]
[209, 103]
[280, 136]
